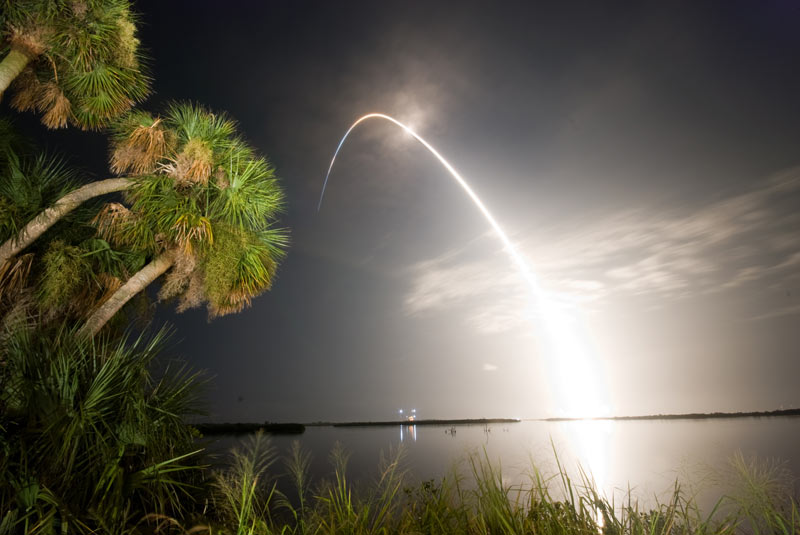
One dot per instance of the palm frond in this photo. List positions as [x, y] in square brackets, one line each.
[30, 186]
[179, 277]
[110, 219]
[239, 267]
[27, 90]
[55, 106]
[139, 143]
[102, 93]
[193, 121]
[251, 197]
[193, 164]
[88, 49]
[161, 208]
[14, 275]
[65, 273]
[194, 293]
[97, 428]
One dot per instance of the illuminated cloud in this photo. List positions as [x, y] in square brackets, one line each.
[490, 292]
[721, 246]
[785, 311]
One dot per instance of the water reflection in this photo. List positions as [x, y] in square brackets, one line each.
[410, 432]
[590, 442]
[647, 455]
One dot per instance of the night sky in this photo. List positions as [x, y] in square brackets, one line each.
[643, 156]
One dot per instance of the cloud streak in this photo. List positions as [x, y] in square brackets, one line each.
[726, 245]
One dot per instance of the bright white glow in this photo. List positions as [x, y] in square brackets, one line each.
[576, 379]
[567, 348]
[590, 442]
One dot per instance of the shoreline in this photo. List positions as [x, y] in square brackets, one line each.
[209, 428]
[461, 421]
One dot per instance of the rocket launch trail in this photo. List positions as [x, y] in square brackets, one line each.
[567, 346]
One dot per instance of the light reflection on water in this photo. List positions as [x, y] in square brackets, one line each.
[647, 455]
[590, 442]
[408, 430]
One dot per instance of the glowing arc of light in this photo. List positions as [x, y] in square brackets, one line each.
[571, 363]
[512, 251]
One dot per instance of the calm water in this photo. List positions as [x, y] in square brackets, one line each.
[648, 455]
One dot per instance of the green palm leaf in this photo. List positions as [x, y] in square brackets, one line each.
[97, 427]
[87, 50]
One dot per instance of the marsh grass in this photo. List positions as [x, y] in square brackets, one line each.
[761, 495]
[242, 493]
[757, 499]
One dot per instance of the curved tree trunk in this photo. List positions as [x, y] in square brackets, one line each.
[133, 286]
[49, 217]
[10, 68]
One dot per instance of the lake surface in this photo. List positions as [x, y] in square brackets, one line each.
[647, 455]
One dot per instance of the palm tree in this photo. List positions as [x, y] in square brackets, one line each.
[74, 61]
[201, 206]
[48, 215]
[65, 273]
[29, 183]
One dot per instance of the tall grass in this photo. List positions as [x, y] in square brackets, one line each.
[242, 493]
[762, 496]
[756, 501]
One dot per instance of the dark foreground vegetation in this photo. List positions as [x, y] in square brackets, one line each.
[94, 441]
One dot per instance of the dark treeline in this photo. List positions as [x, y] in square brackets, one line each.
[687, 416]
[245, 428]
[468, 421]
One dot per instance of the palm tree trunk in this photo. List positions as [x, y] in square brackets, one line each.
[49, 217]
[10, 68]
[133, 286]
